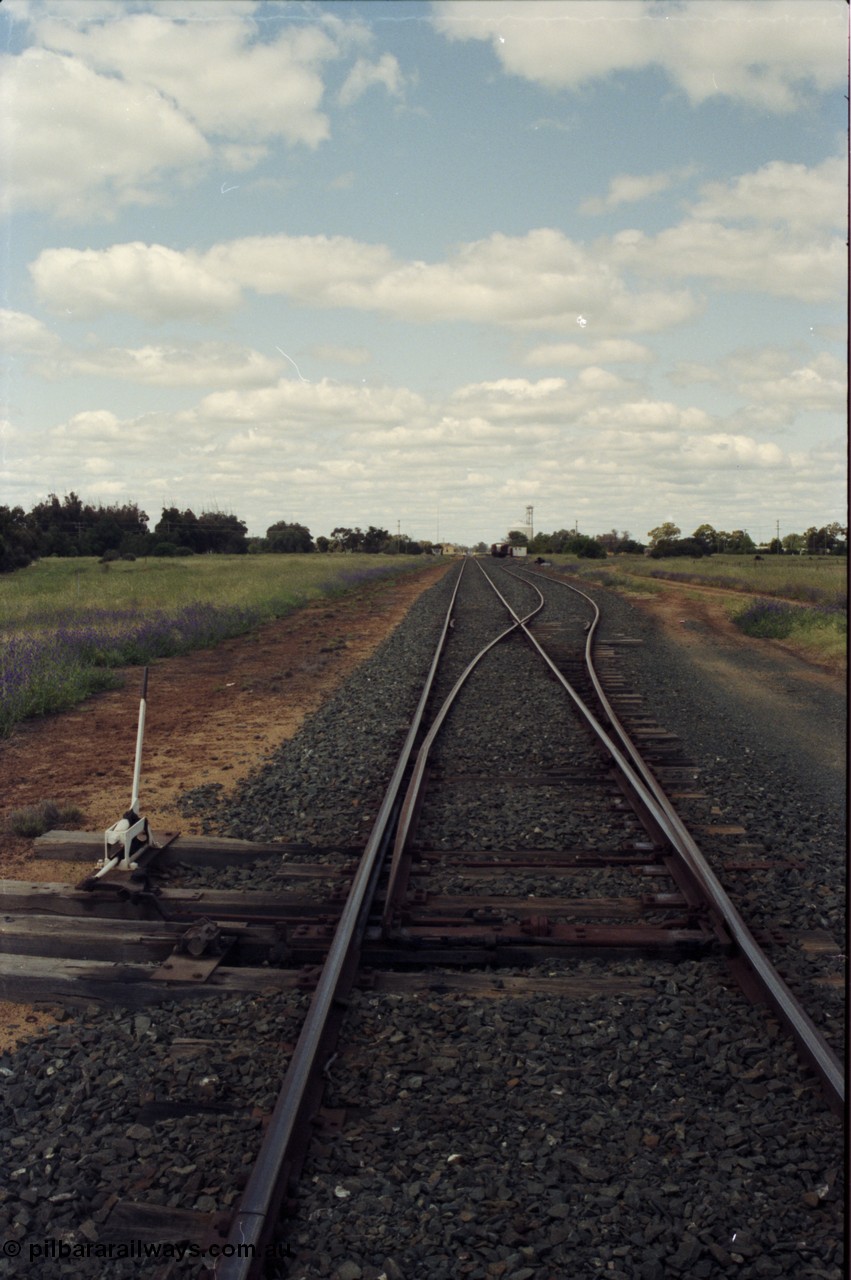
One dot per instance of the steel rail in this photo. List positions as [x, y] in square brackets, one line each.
[812, 1045]
[397, 880]
[256, 1216]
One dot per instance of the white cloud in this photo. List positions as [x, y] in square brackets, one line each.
[208, 364]
[150, 281]
[819, 385]
[203, 364]
[631, 188]
[219, 76]
[774, 382]
[115, 104]
[766, 55]
[90, 426]
[721, 451]
[608, 351]
[761, 259]
[71, 138]
[804, 200]
[365, 75]
[329, 454]
[291, 402]
[539, 280]
[22, 334]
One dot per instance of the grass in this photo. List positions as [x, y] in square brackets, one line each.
[36, 819]
[68, 623]
[820, 630]
[801, 600]
[811, 579]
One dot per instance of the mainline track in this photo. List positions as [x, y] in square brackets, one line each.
[387, 921]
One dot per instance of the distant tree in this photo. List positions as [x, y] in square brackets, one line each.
[609, 541]
[666, 532]
[286, 537]
[628, 546]
[375, 540]
[541, 544]
[831, 539]
[71, 527]
[345, 539]
[585, 547]
[793, 543]
[180, 528]
[738, 543]
[57, 526]
[223, 533]
[677, 547]
[709, 538]
[518, 539]
[323, 543]
[18, 546]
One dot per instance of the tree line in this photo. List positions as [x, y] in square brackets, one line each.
[666, 540]
[71, 527]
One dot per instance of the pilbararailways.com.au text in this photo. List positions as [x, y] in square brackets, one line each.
[60, 1250]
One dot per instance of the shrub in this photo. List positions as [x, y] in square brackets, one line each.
[37, 819]
[776, 619]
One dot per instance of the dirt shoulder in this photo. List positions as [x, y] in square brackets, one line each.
[798, 701]
[211, 717]
[696, 615]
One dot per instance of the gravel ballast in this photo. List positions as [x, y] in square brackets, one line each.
[670, 1134]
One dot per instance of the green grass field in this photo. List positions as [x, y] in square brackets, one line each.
[801, 600]
[67, 623]
[62, 590]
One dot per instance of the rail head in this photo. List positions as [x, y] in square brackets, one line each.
[773, 990]
[265, 1190]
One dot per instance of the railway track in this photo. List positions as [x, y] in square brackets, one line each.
[525, 858]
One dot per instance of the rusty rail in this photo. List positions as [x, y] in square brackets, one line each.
[691, 868]
[289, 1125]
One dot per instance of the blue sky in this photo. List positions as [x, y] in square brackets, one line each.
[424, 265]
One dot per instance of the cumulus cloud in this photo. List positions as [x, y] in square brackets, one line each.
[22, 334]
[217, 73]
[366, 75]
[266, 450]
[112, 105]
[202, 364]
[775, 383]
[71, 138]
[539, 280]
[804, 200]
[150, 281]
[291, 402]
[762, 259]
[206, 364]
[607, 351]
[630, 189]
[769, 56]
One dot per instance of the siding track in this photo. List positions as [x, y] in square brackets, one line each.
[528, 922]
